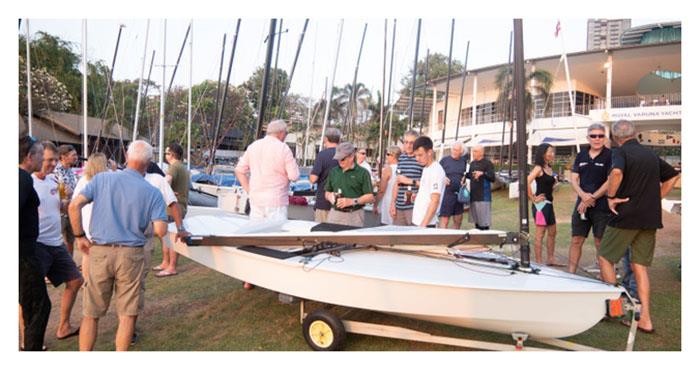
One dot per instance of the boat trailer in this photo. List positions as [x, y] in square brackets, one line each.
[323, 330]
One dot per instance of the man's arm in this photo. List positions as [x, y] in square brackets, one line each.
[614, 181]
[290, 165]
[175, 210]
[432, 208]
[76, 222]
[160, 228]
[243, 179]
[667, 185]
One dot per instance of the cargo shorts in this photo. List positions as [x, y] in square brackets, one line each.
[114, 270]
[616, 241]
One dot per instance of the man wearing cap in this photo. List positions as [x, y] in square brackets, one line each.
[348, 188]
[319, 173]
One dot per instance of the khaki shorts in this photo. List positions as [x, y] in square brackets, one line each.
[404, 218]
[354, 218]
[117, 270]
[321, 215]
[616, 241]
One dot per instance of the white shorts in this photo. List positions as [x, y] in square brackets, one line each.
[268, 213]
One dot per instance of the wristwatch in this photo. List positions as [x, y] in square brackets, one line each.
[610, 196]
[355, 201]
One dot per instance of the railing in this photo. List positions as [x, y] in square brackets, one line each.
[642, 101]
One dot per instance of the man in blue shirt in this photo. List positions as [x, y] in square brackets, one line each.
[124, 204]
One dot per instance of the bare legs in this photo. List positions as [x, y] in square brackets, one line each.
[443, 222]
[607, 271]
[88, 332]
[551, 232]
[67, 301]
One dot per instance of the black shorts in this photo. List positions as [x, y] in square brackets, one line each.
[594, 219]
[56, 264]
[548, 213]
[450, 206]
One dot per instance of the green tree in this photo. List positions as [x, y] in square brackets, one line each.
[437, 68]
[538, 83]
[252, 91]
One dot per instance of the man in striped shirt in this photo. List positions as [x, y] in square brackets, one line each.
[408, 173]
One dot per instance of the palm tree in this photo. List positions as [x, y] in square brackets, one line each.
[538, 83]
[353, 101]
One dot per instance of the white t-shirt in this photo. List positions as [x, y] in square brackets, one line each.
[49, 211]
[87, 209]
[162, 185]
[431, 182]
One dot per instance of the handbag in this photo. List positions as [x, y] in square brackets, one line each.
[463, 194]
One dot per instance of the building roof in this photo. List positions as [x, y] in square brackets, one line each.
[68, 127]
[631, 61]
[635, 35]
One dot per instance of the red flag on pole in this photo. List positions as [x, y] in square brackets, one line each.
[558, 28]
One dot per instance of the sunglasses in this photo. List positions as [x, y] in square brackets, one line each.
[596, 136]
[363, 153]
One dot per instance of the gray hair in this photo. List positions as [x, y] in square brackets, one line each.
[459, 145]
[276, 126]
[623, 129]
[333, 135]
[596, 126]
[413, 133]
[140, 151]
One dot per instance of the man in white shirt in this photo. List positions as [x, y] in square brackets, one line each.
[431, 187]
[55, 262]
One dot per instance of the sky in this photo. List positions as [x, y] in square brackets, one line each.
[489, 39]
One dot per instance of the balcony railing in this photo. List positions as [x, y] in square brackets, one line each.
[642, 101]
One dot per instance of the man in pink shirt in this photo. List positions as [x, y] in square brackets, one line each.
[271, 166]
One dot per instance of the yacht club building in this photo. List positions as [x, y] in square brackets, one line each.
[640, 83]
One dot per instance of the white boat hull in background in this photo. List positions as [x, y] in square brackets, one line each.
[551, 304]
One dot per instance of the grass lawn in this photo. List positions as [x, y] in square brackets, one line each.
[203, 310]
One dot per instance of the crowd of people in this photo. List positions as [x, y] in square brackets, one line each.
[114, 217]
[117, 217]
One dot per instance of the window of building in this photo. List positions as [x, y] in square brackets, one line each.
[465, 117]
[441, 116]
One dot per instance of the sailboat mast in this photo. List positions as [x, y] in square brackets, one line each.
[413, 83]
[189, 102]
[179, 56]
[519, 77]
[391, 73]
[353, 92]
[280, 114]
[162, 99]
[85, 71]
[506, 106]
[461, 94]
[447, 87]
[311, 94]
[29, 79]
[109, 89]
[329, 95]
[266, 76]
[228, 79]
[425, 87]
[138, 96]
[381, 104]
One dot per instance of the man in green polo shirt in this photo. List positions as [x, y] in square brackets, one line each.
[348, 188]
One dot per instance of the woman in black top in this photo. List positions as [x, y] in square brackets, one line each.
[542, 207]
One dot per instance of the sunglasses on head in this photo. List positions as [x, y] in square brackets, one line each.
[594, 136]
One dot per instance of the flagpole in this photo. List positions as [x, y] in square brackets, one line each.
[29, 80]
[572, 103]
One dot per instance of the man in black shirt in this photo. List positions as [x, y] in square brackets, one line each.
[634, 198]
[481, 174]
[319, 173]
[33, 297]
[589, 178]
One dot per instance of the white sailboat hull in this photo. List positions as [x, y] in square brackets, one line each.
[551, 304]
